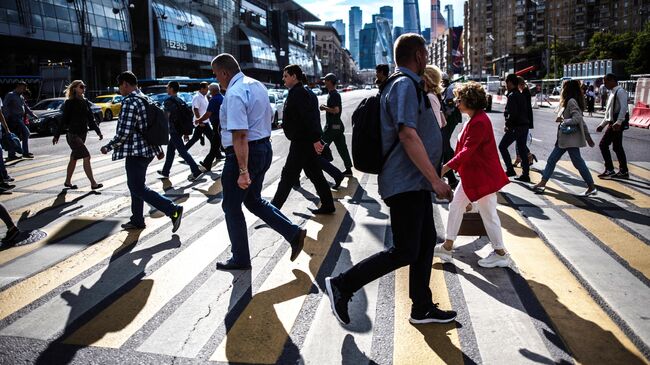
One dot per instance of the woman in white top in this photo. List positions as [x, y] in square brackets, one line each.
[432, 78]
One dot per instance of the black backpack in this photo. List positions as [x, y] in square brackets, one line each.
[367, 154]
[184, 118]
[157, 132]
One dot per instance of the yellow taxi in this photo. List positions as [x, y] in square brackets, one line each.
[110, 104]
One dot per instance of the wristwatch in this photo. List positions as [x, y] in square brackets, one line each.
[243, 171]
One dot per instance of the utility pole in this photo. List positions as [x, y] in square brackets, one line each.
[555, 54]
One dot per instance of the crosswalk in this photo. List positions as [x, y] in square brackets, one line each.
[89, 290]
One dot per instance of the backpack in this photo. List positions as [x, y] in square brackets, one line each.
[367, 154]
[184, 118]
[157, 132]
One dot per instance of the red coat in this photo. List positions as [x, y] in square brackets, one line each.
[477, 159]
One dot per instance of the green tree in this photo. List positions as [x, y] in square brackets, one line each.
[638, 61]
[603, 45]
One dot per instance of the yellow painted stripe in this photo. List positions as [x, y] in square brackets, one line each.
[424, 344]
[556, 194]
[34, 287]
[67, 227]
[620, 189]
[24, 167]
[13, 195]
[48, 203]
[639, 171]
[589, 333]
[52, 170]
[628, 247]
[78, 175]
[259, 334]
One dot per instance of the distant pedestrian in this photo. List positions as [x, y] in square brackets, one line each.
[334, 129]
[15, 109]
[5, 179]
[77, 119]
[525, 91]
[411, 138]
[382, 72]
[245, 118]
[572, 134]
[176, 110]
[432, 86]
[591, 100]
[516, 129]
[453, 118]
[481, 177]
[199, 107]
[616, 121]
[303, 131]
[12, 229]
[212, 114]
[129, 144]
[603, 96]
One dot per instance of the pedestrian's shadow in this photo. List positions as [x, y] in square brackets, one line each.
[62, 350]
[351, 354]
[56, 209]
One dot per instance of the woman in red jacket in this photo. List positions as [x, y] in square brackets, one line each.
[481, 175]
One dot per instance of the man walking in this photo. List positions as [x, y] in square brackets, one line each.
[212, 113]
[334, 125]
[616, 118]
[411, 138]
[199, 107]
[517, 125]
[175, 107]
[303, 131]
[129, 144]
[15, 109]
[245, 118]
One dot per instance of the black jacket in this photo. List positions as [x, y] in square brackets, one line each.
[77, 117]
[298, 121]
[516, 113]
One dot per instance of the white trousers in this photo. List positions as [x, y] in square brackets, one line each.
[487, 208]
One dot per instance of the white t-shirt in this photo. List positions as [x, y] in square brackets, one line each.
[200, 102]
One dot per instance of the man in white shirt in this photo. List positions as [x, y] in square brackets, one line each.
[199, 107]
[616, 121]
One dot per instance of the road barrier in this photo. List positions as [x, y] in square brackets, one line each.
[641, 114]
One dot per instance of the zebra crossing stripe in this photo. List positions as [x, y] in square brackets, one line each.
[12, 169]
[639, 171]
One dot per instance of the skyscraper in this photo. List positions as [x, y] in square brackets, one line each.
[412, 16]
[438, 23]
[355, 27]
[367, 46]
[386, 12]
[340, 29]
[426, 33]
[449, 9]
[397, 31]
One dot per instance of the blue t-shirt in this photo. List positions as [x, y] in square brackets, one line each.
[213, 107]
[399, 105]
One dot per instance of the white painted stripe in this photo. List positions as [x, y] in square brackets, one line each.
[502, 327]
[620, 289]
[522, 195]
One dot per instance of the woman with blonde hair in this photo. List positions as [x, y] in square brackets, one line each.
[77, 119]
[481, 177]
[432, 78]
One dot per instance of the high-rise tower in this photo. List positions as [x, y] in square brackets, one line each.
[438, 23]
[449, 9]
[412, 16]
[340, 29]
[386, 12]
[355, 26]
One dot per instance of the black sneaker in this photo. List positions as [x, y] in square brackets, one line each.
[6, 187]
[347, 172]
[511, 173]
[205, 166]
[339, 300]
[161, 173]
[176, 218]
[621, 175]
[28, 155]
[12, 158]
[297, 244]
[434, 315]
[324, 210]
[606, 174]
[129, 226]
[523, 178]
[337, 184]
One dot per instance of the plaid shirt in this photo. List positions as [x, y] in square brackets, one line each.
[128, 140]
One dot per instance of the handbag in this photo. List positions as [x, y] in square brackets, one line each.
[565, 128]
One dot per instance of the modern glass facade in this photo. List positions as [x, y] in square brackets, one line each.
[384, 44]
[355, 27]
[256, 51]
[340, 28]
[411, 16]
[301, 57]
[367, 47]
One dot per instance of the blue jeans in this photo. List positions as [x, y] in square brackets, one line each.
[259, 161]
[18, 127]
[136, 172]
[576, 160]
[176, 143]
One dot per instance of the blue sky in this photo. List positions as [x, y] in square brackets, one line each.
[338, 9]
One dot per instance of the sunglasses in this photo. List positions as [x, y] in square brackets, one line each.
[82, 86]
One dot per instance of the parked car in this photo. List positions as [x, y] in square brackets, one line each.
[50, 111]
[367, 87]
[318, 91]
[277, 106]
[161, 97]
[111, 105]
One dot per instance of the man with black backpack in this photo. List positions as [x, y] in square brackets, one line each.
[411, 146]
[180, 123]
[130, 143]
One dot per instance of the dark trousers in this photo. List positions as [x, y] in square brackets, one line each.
[520, 136]
[330, 169]
[19, 128]
[215, 148]
[259, 161]
[448, 151]
[336, 137]
[414, 236]
[614, 138]
[136, 172]
[3, 169]
[198, 132]
[176, 143]
[302, 157]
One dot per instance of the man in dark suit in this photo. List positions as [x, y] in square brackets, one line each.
[517, 125]
[304, 133]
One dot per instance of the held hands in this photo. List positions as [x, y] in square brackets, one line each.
[244, 180]
[445, 170]
[323, 107]
[442, 190]
[318, 147]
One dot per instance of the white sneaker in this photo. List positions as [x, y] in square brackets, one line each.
[444, 254]
[496, 260]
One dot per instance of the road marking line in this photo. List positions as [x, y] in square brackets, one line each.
[624, 244]
[557, 195]
[639, 171]
[22, 167]
[52, 170]
[78, 175]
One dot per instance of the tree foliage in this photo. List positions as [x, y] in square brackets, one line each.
[638, 61]
[605, 45]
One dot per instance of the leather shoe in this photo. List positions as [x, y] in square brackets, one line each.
[231, 265]
[297, 244]
[337, 184]
[323, 210]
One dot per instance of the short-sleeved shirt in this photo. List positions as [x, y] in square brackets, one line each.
[400, 106]
[213, 107]
[333, 101]
[245, 107]
[14, 104]
[200, 102]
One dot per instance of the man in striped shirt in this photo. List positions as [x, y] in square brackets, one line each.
[129, 144]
